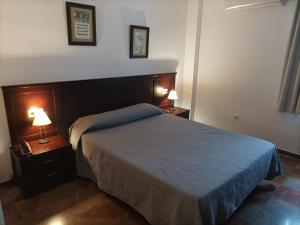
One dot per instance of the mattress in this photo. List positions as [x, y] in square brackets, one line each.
[175, 171]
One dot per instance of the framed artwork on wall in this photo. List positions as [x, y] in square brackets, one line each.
[81, 21]
[139, 41]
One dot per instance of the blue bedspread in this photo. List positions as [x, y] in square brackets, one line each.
[178, 172]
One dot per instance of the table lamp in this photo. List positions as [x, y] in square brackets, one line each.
[172, 96]
[41, 119]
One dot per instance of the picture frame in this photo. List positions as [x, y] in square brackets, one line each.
[139, 41]
[81, 22]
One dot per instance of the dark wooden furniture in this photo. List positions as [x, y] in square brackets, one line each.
[181, 112]
[65, 102]
[48, 165]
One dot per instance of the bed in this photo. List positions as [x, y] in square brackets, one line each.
[171, 170]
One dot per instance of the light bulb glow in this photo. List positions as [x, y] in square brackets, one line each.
[40, 116]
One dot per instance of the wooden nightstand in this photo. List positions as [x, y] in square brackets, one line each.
[48, 166]
[181, 112]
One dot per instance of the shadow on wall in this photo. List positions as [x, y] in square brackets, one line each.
[65, 68]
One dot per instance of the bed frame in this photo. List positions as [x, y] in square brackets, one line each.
[64, 102]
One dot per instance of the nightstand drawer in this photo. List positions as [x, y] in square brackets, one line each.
[48, 178]
[40, 166]
[54, 160]
[42, 182]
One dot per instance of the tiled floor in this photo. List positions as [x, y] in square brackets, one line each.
[80, 202]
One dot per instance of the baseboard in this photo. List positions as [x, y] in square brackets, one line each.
[290, 154]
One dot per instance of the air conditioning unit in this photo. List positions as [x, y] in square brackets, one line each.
[250, 4]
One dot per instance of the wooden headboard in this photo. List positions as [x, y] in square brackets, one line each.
[64, 102]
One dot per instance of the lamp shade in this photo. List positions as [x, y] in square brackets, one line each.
[41, 118]
[173, 95]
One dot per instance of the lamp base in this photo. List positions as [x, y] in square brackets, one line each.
[43, 141]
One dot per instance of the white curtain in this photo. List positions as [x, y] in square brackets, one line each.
[289, 98]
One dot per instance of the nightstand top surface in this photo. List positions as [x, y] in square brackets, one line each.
[55, 142]
[177, 110]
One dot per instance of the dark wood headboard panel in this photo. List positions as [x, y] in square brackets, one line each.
[64, 102]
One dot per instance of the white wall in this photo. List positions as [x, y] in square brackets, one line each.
[191, 51]
[240, 67]
[34, 46]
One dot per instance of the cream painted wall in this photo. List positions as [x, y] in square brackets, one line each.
[34, 46]
[240, 67]
[191, 51]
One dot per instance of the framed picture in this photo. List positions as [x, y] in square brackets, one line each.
[139, 42]
[81, 20]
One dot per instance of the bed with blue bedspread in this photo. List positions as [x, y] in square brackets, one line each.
[171, 170]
